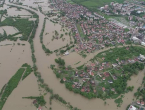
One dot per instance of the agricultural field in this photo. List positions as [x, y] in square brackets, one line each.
[94, 4]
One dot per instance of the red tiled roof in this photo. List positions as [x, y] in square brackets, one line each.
[82, 90]
[94, 91]
[106, 74]
[103, 88]
[92, 73]
[73, 86]
[64, 79]
[40, 108]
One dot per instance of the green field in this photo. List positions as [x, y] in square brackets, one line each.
[80, 31]
[121, 53]
[70, 1]
[94, 4]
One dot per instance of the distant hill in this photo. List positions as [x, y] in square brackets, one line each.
[93, 4]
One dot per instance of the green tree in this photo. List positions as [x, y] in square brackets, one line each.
[60, 61]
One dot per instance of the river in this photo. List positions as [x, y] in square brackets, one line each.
[43, 62]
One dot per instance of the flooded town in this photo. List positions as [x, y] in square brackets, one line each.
[72, 55]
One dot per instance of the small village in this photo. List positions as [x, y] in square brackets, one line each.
[92, 31]
[99, 77]
[120, 24]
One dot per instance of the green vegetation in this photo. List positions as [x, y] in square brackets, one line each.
[115, 83]
[11, 85]
[27, 71]
[83, 54]
[121, 53]
[68, 105]
[62, 50]
[80, 67]
[80, 31]
[39, 100]
[41, 39]
[44, 86]
[93, 4]
[137, 14]
[77, 63]
[1, 5]
[4, 36]
[60, 61]
[2, 12]
[119, 101]
[140, 94]
[70, 1]
[23, 25]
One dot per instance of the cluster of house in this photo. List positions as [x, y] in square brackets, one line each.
[123, 9]
[140, 102]
[98, 31]
[95, 69]
[132, 10]
[140, 105]
[71, 10]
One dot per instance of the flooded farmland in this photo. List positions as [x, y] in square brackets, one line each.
[27, 87]
[9, 30]
[15, 12]
[49, 33]
[13, 56]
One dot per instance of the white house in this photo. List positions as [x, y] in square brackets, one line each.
[142, 56]
[143, 43]
[132, 108]
[66, 53]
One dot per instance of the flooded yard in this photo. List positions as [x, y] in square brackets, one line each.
[49, 33]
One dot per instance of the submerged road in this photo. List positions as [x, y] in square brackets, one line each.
[43, 62]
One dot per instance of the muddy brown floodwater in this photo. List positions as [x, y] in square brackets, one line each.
[8, 29]
[43, 62]
[12, 57]
[49, 33]
[27, 87]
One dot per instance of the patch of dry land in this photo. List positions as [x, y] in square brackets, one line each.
[12, 57]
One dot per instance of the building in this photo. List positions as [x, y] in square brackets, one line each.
[66, 53]
[142, 56]
[132, 108]
[40, 108]
[143, 43]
